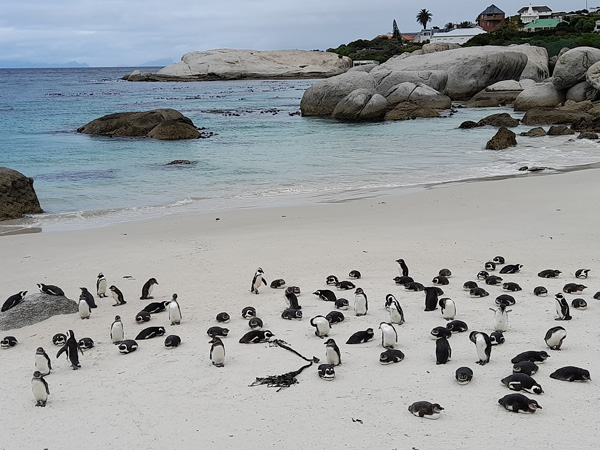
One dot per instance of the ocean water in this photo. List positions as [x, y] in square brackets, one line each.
[262, 153]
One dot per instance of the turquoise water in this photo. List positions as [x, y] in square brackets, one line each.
[263, 152]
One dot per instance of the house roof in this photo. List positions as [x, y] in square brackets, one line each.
[492, 9]
[543, 23]
[540, 8]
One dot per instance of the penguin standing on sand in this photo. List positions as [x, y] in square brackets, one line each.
[361, 305]
[501, 317]
[116, 331]
[396, 312]
[42, 361]
[217, 352]
[88, 297]
[443, 352]
[554, 337]
[101, 285]
[257, 280]
[389, 336]
[147, 289]
[291, 299]
[483, 345]
[40, 389]
[448, 308]
[84, 309]
[431, 298]
[117, 295]
[402, 267]
[71, 348]
[322, 326]
[174, 311]
[332, 353]
[562, 307]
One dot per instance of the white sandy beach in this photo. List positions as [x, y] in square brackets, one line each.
[158, 398]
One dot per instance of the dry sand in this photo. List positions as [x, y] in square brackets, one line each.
[158, 398]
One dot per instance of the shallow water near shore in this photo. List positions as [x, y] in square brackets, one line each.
[263, 153]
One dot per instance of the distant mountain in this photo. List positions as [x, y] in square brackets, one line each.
[8, 64]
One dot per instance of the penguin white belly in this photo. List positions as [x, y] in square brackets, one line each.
[174, 314]
[84, 310]
[360, 306]
[388, 337]
[41, 365]
[332, 356]
[433, 416]
[480, 345]
[323, 327]
[39, 391]
[217, 355]
[556, 338]
[101, 287]
[449, 312]
[395, 316]
[116, 333]
[500, 321]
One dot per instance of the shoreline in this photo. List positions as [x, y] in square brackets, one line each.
[539, 221]
[18, 226]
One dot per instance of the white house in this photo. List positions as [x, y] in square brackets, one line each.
[457, 36]
[531, 13]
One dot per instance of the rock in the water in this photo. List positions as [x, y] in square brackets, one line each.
[231, 64]
[17, 196]
[534, 132]
[588, 135]
[559, 130]
[571, 105]
[551, 116]
[572, 66]
[504, 138]
[322, 97]
[179, 162]
[409, 110]
[500, 120]
[468, 124]
[540, 95]
[171, 125]
[35, 308]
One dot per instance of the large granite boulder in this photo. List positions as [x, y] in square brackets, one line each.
[540, 95]
[572, 66]
[499, 94]
[17, 196]
[386, 79]
[173, 125]
[322, 97]
[34, 309]
[231, 64]
[420, 94]
[469, 69]
[551, 116]
[361, 104]
[582, 91]
[499, 120]
[537, 67]
[503, 139]
[409, 110]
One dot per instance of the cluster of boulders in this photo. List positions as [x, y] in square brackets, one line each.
[422, 83]
[166, 124]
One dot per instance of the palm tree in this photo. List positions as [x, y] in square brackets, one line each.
[424, 17]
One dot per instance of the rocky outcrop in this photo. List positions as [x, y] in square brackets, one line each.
[504, 138]
[551, 116]
[540, 95]
[166, 124]
[572, 66]
[322, 97]
[419, 94]
[500, 120]
[469, 69]
[588, 135]
[17, 196]
[409, 110]
[386, 79]
[499, 94]
[537, 67]
[534, 132]
[230, 64]
[35, 308]
[559, 130]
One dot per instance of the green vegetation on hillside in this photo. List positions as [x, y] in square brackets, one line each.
[379, 49]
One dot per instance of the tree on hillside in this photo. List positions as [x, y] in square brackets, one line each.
[424, 17]
[396, 31]
[466, 24]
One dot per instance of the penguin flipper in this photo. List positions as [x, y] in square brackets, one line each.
[264, 281]
[61, 351]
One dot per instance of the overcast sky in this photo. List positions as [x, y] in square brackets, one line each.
[132, 32]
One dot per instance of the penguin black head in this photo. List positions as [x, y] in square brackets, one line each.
[37, 374]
